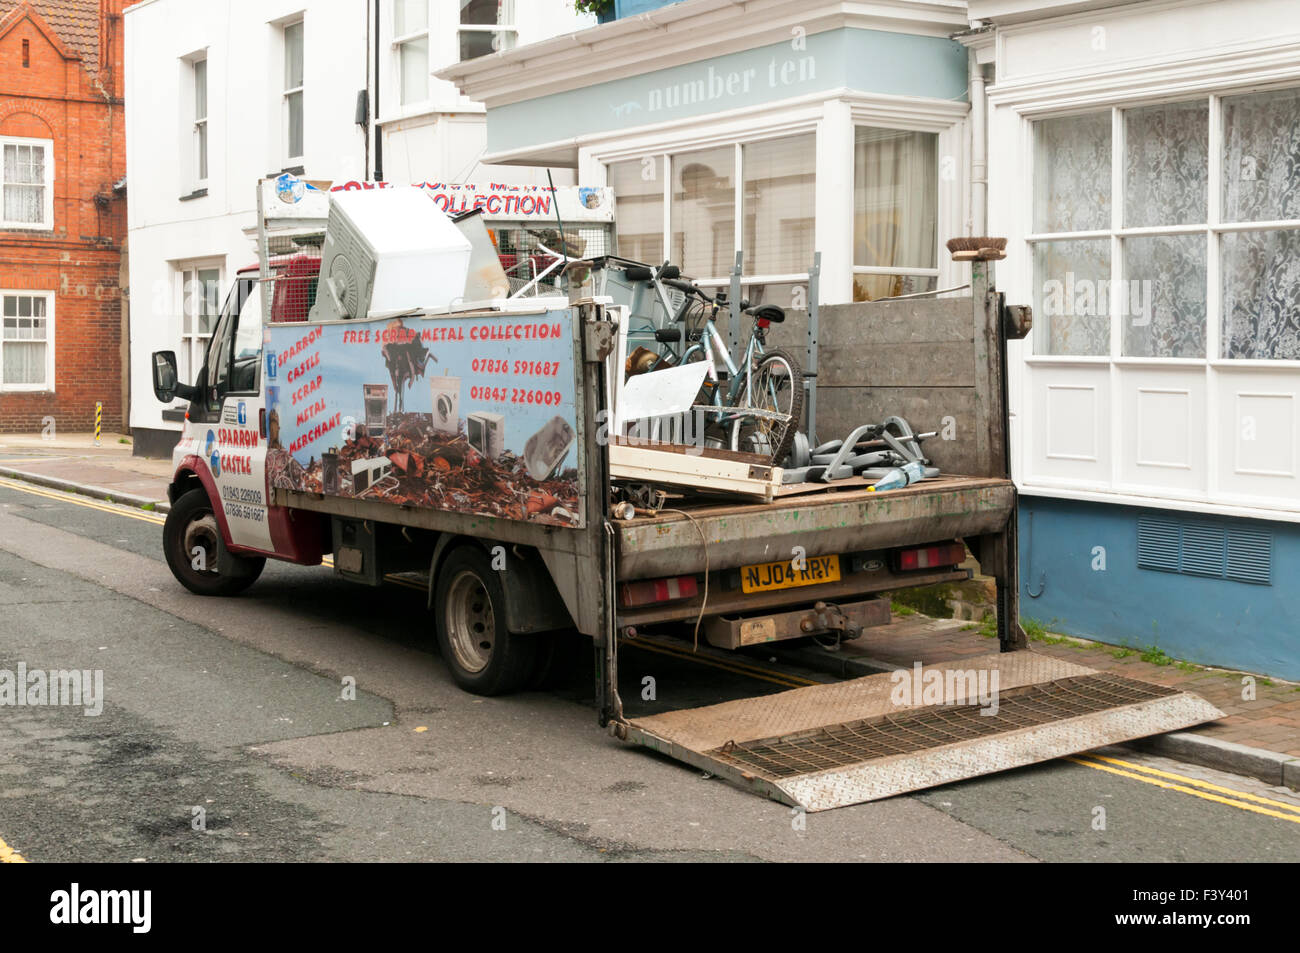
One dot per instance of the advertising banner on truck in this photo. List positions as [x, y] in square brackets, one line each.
[505, 202]
[287, 198]
[471, 413]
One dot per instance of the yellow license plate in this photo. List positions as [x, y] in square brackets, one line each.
[764, 577]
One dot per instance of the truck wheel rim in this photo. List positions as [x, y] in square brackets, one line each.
[471, 623]
[201, 533]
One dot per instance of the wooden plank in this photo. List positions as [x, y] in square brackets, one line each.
[930, 364]
[914, 321]
[699, 472]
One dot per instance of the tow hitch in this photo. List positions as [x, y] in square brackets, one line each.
[828, 617]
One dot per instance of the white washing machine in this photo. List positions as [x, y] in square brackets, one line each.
[446, 403]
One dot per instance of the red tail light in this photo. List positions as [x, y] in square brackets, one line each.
[649, 591]
[929, 557]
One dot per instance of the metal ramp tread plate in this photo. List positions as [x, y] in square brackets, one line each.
[826, 746]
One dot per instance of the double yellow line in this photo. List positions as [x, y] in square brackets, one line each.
[1197, 788]
[115, 508]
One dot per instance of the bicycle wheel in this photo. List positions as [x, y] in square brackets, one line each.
[777, 382]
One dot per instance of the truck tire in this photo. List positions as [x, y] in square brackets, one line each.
[484, 657]
[196, 554]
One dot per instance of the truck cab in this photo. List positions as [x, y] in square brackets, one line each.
[226, 527]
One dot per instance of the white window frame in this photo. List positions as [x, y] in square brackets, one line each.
[48, 386]
[288, 91]
[202, 129]
[1213, 230]
[512, 28]
[664, 156]
[833, 121]
[395, 48]
[885, 270]
[47, 223]
[193, 343]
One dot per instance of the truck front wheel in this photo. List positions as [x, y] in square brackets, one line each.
[196, 554]
[484, 657]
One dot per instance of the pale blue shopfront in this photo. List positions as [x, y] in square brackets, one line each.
[1221, 595]
[870, 61]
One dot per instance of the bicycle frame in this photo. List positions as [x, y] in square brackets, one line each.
[713, 348]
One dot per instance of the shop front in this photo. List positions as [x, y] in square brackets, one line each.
[1143, 162]
[766, 133]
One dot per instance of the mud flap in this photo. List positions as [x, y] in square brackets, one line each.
[826, 746]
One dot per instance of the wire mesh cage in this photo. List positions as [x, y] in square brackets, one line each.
[294, 263]
[533, 258]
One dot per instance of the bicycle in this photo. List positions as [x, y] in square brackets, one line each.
[766, 399]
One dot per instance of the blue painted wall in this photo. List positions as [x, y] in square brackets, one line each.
[872, 61]
[1212, 621]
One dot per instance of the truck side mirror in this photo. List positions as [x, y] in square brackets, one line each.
[164, 375]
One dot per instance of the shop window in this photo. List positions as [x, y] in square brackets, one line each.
[703, 212]
[895, 212]
[1130, 250]
[638, 186]
[778, 193]
[1260, 269]
[779, 196]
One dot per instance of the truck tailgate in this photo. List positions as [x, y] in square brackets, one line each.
[826, 746]
[832, 521]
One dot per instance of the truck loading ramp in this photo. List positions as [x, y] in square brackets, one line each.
[826, 746]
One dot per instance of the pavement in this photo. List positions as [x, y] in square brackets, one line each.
[79, 463]
[1259, 736]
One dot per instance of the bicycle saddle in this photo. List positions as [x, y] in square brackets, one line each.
[767, 312]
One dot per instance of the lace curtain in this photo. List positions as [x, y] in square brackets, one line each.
[1072, 194]
[1163, 298]
[1261, 182]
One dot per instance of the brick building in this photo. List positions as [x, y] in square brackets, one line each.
[62, 214]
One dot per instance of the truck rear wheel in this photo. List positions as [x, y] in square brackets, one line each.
[196, 554]
[484, 657]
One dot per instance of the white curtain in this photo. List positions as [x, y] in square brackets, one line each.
[24, 184]
[24, 362]
[895, 206]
